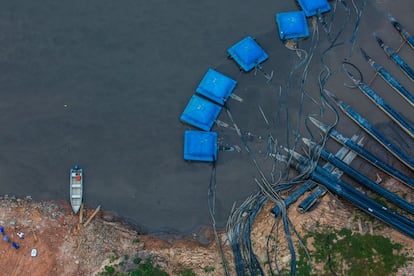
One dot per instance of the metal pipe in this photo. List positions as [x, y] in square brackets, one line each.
[374, 160]
[388, 78]
[360, 178]
[320, 191]
[392, 54]
[403, 32]
[358, 199]
[381, 104]
[308, 185]
[363, 123]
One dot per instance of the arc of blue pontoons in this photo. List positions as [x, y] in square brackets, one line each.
[353, 196]
[389, 79]
[397, 59]
[343, 153]
[371, 158]
[360, 178]
[403, 32]
[381, 104]
[373, 132]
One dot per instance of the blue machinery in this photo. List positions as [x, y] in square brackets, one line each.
[214, 90]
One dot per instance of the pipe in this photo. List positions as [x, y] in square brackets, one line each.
[361, 179]
[388, 78]
[395, 58]
[403, 32]
[363, 123]
[374, 160]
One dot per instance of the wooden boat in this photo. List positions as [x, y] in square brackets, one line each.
[76, 187]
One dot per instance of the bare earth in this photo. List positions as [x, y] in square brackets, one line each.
[66, 247]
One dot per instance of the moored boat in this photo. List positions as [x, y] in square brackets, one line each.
[76, 188]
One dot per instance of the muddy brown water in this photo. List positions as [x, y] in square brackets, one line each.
[102, 84]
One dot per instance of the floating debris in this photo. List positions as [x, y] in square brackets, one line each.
[230, 148]
[237, 98]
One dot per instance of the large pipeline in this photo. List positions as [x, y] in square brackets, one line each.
[343, 153]
[362, 179]
[403, 32]
[374, 160]
[395, 58]
[386, 108]
[388, 78]
[358, 199]
[363, 123]
[317, 193]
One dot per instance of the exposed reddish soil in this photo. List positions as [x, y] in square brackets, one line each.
[66, 247]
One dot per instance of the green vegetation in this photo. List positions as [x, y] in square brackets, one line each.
[109, 269]
[209, 269]
[345, 253]
[146, 268]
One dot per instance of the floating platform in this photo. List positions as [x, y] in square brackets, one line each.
[292, 25]
[200, 146]
[314, 7]
[216, 86]
[247, 53]
[200, 113]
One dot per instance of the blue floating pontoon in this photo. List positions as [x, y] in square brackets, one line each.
[216, 86]
[292, 25]
[200, 113]
[313, 7]
[247, 53]
[200, 146]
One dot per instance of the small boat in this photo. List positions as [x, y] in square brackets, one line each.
[76, 187]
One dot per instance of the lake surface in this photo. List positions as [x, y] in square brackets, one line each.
[102, 84]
